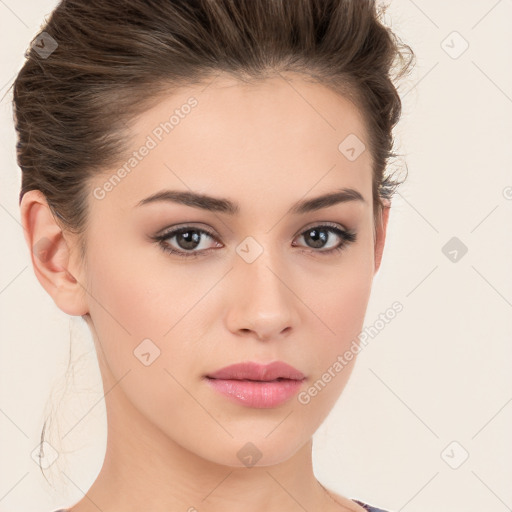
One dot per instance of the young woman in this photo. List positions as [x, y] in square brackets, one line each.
[204, 183]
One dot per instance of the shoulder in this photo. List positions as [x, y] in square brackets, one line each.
[370, 508]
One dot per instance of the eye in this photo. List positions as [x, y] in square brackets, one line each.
[189, 238]
[319, 235]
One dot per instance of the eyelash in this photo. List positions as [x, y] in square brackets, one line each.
[347, 236]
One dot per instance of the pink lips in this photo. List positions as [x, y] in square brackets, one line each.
[256, 385]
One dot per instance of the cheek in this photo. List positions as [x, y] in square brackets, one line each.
[126, 301]
[132, 287]
[342, 308]
[132, 310]
[347, 304]
[139, 307]
[341, 300]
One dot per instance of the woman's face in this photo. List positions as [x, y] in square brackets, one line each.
[260, 284]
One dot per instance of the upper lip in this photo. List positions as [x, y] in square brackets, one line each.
[255, 371]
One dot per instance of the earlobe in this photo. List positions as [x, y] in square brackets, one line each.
[380, 234]
[51, 254]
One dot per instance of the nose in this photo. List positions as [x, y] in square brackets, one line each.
[262, 303]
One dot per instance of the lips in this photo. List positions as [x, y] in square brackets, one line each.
[255, 385]
[277, 370]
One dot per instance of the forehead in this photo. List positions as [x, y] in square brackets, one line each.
[233, 138]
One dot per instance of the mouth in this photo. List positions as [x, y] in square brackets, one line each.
[258, 386]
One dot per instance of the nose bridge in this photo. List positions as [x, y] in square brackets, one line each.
[264, 303]
[261, 266]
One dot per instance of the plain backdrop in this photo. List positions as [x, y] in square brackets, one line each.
[424, 423]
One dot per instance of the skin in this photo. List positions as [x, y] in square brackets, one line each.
[172, 441]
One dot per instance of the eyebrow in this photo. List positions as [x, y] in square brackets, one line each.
[221, 205]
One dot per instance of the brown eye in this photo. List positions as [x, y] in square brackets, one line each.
[187, 238]
[318, 236]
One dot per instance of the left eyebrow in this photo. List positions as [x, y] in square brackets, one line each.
[223, 205]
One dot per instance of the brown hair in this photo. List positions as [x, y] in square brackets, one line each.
[108, 61]
[114, 59]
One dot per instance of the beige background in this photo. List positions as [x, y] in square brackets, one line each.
[438, 373]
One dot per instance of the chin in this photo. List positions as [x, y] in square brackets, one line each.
[255, 449]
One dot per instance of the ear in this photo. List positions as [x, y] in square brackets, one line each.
[54, 257]
[380, 233]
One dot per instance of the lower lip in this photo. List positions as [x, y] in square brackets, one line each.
[257, 394]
